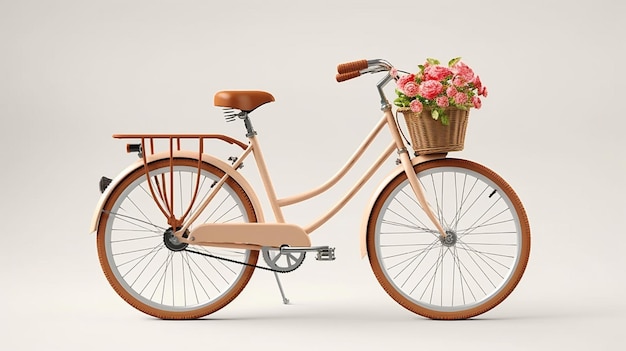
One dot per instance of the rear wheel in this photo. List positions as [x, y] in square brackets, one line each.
[479, 262]
[145, 263]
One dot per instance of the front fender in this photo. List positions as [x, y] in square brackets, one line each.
[383, 184]
[228, 169]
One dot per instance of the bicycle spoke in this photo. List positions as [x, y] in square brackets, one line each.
[199, 202]
[402, 245]
[432, 280]
[438, 208]
[402, 254]
[486, 255]
[189, 260]
[473, 278]
[127, 219]
[487, 211]
[225, 213]
[439, 214]
[185, 258]
[418, 252]
[491, 233]
[454, 259]
[413, 260]
[486, 223]
[166, 264]
[180, 189]
[421, 229]
[131, 252]
[482, 270]
[423, 276]
[233, 219]
[464, 198]
[182, 267]
[463, 279]
[137, 238]
[147, 220]
[411, 212]
[204, 274]
[456, 201]
[153, 250]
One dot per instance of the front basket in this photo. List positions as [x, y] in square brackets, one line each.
[429, 136]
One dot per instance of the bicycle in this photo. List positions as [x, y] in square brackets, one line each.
[179, 231]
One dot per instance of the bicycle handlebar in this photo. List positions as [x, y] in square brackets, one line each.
[354, 69]
[352, 66]
[349, 75]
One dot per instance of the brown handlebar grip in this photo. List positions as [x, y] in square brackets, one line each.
[345, 76]
[352, 66]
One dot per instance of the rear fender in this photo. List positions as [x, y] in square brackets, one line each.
[225, 167]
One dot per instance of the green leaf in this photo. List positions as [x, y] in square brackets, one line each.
[435, 114]
[432, 61]
[444, 120]
[454, 61]
[421, 67]
[400, 102]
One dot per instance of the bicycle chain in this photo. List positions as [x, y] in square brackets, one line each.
[239, 262]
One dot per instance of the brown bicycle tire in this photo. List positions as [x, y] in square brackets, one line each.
[207, 309]
[474, 310]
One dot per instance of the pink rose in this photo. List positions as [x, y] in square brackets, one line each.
[476, 101]
[436, 73]
[477, 83]
[405, 79]
[416, 106]
[410, 89]
[451, 91]
[458, 81]
[430, 89]
[460, 98]
[442, 101]
[464, 71]
[393, 72]
[483, 92]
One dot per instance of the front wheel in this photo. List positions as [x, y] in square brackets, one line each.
[145, 263]
[479, 262]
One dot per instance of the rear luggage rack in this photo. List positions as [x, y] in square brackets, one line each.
[159, 191]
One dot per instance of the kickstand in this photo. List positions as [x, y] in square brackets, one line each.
[280, 287]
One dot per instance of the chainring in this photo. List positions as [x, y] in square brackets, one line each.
[282, 261]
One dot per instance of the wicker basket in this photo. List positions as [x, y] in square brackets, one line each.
[431, 137]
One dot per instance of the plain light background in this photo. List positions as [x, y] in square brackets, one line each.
[72, 73]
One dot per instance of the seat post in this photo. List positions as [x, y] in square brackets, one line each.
[248, 124]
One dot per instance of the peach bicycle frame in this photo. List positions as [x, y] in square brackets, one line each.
[277, 204]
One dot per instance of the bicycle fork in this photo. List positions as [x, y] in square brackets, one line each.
[407, 165]
[419, 191]
[405, 160]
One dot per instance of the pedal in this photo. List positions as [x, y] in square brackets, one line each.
[326, 254]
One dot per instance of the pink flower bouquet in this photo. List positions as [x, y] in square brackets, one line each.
[436, 87]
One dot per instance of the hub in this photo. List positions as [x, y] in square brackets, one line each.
[450, 239]
[172, 242]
